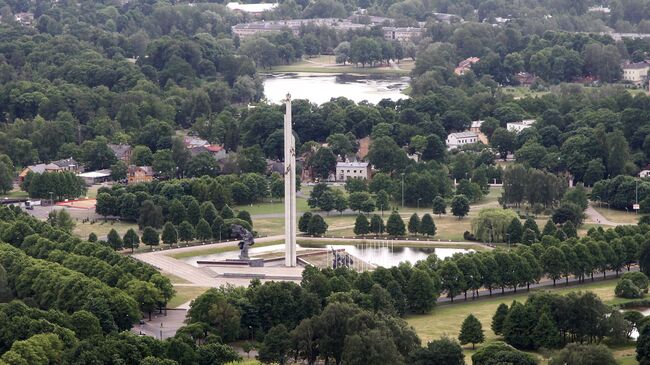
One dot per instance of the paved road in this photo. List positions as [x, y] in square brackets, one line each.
[596, 217]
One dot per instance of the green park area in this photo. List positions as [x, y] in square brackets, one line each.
[445, 319]
[326, 64]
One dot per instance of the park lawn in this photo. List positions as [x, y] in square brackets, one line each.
[445, 319]
[277, 207]
[268, 226]
[15, 194]
[626, 356]
[184, 294]
[101, 228]
[618, 216]
[214, 250]
[308, 242]
[174, 279]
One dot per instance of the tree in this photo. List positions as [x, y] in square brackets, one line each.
[443, 351]
[427, 226]
[546, 333]
[459, 206]
[532, 225]
[203, 230]
[177, 212]
[317, 225]
[584, 354]
[549, 228]
[414, 223]
[376, 224]
[118, 171]
[360, 200]
[169, 234]
[421, 291]
[92, 237]
[251, 159]
[6, 177]
[131, 239]
[186, 231]
[276, 345]
[643, 346]
[150, 215]
[145, 294]
[503, 141]
[5, 290]
[61, 219]
[150, 237]
[193, 212]
[471, 331]
[323, 162]
[498, 352]
[361, 225]
[114, 240]
[625, 288]
[439, 206]
[553, 262]
[303, 222]
[451, 279]
[498, 318]
[395, 225]
[515, 231]
[570, 230]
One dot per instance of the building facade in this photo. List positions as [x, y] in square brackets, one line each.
[520, 126]
[455, 140]
[139, 174]
[351, 170]
[636, 73]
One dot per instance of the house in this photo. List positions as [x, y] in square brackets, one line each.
[68, 164]
[455, 140]
[139, 174]
[351, 170]
[95, 177]
[40, 168]
[465, 65]
[402, 34]
[644, 173]
[191, 142]
[217, 151]
[599, 9]
[25, 19]
[476, 126]
[121, 151]
[254, 9]
[636, 73]
[520, 126]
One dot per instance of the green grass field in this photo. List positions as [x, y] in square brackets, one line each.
[14, 194]
[184, 294]
[444, 320]
[101, 228]
[215, 250]
[326, 64]
[618, 216]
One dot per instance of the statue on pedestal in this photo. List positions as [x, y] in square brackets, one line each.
[246, 240]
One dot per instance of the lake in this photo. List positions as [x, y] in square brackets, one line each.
[377, 254]
[320, 88]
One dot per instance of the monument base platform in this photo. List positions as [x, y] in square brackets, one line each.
[235, 262]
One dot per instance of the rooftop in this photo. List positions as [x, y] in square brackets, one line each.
[352, 164]
[251, 8]
[463, 134]
[636, 66]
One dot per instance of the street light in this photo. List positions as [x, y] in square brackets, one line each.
[419, 204]
[599, 201]
[51, 201]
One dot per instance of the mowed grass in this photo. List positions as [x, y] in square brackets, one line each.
[446, 319]
[174, 279]
[215, 250]
[101, 228]
[184, 294]
[275, 207]
[15, 194]
[618, 216]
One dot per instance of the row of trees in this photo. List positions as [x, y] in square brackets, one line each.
[552, 320]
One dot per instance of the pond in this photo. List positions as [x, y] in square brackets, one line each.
[377, 254]
[319, 88]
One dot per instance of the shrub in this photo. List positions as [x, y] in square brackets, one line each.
[638, 278]
[625, 288]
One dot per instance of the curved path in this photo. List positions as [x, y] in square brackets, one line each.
[598, 218]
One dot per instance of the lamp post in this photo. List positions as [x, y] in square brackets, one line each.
[419, 204]
[599, 201]
[508, 235]
[51, 200]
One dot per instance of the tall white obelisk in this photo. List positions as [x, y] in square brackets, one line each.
[289, 188]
